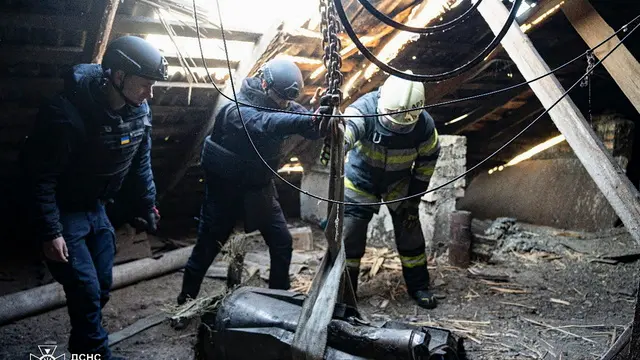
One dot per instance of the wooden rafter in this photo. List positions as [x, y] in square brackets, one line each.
[605, 172]
[98, 35]
[244, 69]
[492, 110]
[122, 24]
[145, 25]
[621, 65]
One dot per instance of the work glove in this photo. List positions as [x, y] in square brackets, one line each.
[148, 222]
[322, 119]
[409, 213]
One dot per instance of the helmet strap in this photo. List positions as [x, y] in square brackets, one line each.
[120, 90]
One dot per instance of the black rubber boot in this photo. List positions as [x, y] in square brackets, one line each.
[425, 299]
[417, 280]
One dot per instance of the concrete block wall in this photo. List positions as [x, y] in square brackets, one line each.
[437, 205]
[553, 188]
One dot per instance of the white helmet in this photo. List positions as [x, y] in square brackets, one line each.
[398, 94]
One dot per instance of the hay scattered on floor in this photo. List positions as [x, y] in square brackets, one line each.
[195, 308]
[302, 282]
[378, 259]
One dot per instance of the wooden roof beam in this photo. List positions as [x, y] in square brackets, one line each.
[603, 169]
[122, 24]
[104, 13]
[211, 63]
[491, 107]
[41, 54]
[244, 69]
[145, 25]
[621, 65]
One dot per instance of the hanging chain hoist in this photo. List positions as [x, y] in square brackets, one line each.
[331, 44]
[586, 82]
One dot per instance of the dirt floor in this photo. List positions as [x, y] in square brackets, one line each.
[548, 298]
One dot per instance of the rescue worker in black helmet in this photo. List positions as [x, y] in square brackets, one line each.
[238, 185]
[390, 157]
[85, 141]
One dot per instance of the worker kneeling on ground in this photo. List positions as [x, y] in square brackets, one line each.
[85, 142]
[391, 156]
[239, 186]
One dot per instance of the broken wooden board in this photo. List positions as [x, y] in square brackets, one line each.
[137, 327]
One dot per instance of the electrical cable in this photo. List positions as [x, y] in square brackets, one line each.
[428, 30]
[427, 77]
[443, 103]
[237, 104]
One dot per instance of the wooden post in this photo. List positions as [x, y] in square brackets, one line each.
[242, 71]
[604, 171]
[460, 242]
[621, 65]
[98, 38]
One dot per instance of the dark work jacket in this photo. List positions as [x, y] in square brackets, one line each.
[80, 151]
[228, 155]
[386, 164]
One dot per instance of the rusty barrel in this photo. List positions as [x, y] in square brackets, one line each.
[460, 242]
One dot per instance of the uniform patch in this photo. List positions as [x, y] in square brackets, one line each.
[125, 139]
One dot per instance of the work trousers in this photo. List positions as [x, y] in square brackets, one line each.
[410, 244]
[86, 278]
[221, 210]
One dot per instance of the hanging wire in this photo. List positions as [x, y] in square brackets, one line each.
[379, 203]
[443, 103]
[428, 30]
[427, 77]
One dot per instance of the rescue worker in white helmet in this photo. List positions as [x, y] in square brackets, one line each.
[390, 156]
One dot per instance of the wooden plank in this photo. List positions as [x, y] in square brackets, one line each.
[242, 71]
[145, 25]
[621, 65]
[61, 22]
[606, 173]
[211, 63]
[98, 36]
[12, 54]
[493, 105]
[137, 327]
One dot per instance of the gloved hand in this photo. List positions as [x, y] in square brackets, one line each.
[325, 123]
[148, 222]
[409, 213]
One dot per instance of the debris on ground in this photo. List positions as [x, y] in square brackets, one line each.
[538, 301]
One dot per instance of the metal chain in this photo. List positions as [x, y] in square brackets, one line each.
[586, 82]
[331, 44]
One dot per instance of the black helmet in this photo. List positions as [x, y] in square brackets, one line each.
[136, 56]
[283, 77]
